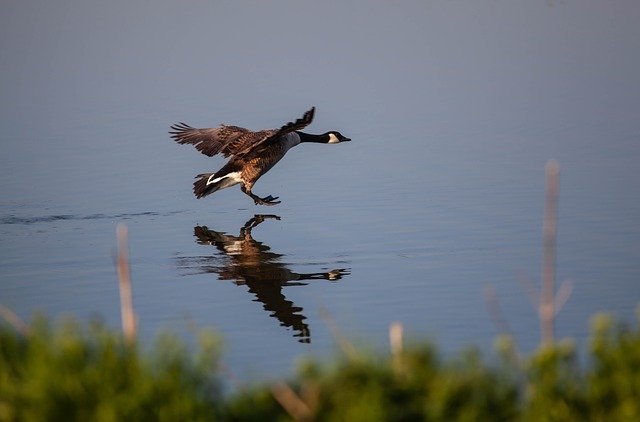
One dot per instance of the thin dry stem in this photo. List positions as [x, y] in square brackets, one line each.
[395, 338]
[14, 320]
[396, 344]
[563, 294]
[549, 230]
[291, 402]
[129, 326]
[495, 310]
[344, 344]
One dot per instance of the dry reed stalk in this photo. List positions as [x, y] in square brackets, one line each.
[547, 309]
[345, 345]
[395, 338]
[495, 311]
[502, 324]
[291, 402]
[563, 294]
[129, 325]
[396, 344]
[14, 320]
[546, 301]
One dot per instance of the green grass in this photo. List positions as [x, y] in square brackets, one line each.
[75, 373]
[67, 371]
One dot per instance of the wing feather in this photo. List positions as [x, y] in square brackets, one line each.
[299, 124]
[234, 140]
[212, 141]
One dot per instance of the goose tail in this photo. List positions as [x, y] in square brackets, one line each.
[207, 183]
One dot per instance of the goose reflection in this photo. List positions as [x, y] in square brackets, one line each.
[252, 263]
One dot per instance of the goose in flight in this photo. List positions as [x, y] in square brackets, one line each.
[253, 153]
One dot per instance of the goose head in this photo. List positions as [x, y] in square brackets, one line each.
[334, 137]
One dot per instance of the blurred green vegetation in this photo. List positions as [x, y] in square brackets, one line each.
[69, 372]
[72, 373]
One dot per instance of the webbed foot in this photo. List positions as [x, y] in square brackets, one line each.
[267, 200]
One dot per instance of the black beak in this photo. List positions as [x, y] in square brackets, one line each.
[345, 139]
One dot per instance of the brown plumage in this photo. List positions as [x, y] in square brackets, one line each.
[252, 153]
[233, 140]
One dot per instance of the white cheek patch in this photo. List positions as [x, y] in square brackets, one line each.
[333, 139]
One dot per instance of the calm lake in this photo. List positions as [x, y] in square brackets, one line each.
[454, 109]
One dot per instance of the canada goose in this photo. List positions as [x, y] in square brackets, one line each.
[252, 263]
[252, 153]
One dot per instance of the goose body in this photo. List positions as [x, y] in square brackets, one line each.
[253, 153]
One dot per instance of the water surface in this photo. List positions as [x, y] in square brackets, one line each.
[453, 107]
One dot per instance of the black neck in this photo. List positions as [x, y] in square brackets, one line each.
[307, 137]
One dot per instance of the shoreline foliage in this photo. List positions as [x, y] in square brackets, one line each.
[67, 371]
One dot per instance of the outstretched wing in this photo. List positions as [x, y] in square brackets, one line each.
[233, 140]
[273, 136]
[211, 141]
